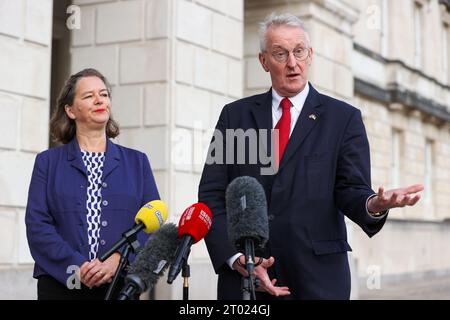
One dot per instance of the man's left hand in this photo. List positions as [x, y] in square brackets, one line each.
[394, 198]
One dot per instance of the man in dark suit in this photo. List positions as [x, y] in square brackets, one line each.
[323, 173]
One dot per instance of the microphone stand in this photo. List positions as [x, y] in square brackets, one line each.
[129, 238]
[181, 257]
[248, 283]
[131, 245]
[186, 273]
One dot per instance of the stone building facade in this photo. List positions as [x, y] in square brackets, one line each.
[174, 64]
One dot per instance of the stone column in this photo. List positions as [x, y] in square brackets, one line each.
[173, 64]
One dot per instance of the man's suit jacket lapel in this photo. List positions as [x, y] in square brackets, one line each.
[262, 112]
[308, 118]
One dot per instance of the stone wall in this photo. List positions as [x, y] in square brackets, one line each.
[25, 53]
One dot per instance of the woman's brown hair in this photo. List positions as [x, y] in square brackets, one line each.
[62, 128]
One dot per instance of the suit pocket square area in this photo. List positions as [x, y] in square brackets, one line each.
[330, 246]
[319, 157]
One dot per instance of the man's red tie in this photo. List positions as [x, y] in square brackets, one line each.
[284, 127]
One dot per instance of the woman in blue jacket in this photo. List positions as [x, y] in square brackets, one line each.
[83, 194]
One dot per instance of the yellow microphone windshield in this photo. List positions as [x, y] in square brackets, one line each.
[152, 215]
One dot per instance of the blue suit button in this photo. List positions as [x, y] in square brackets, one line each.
[104, 223]
[102, 242]
[105, 203]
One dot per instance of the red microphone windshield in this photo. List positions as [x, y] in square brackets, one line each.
[195, 221]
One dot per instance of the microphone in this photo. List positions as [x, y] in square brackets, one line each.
[151, 262]
[194, 224]
[246, 207]
[149, 218]
[248, 224]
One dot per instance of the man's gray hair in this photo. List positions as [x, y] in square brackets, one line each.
[274, 20]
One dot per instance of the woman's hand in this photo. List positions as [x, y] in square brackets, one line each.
[96, 273]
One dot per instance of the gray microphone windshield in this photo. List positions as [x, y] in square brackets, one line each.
[155, 256]
[246, 212]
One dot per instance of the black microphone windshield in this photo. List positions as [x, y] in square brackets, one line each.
[246, 212]
[155, 256]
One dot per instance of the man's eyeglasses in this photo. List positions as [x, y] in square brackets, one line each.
[282, 55]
